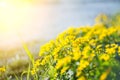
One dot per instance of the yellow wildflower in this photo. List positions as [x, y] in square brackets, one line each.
[2, 69]
[107, 46]
[81, 78]
[85, 52]
[34, 70]
[37, 63]
[43, 62]
[99, 46]
[111, 30]
[63, 61]
[78, 73]
[75, 43]
[70, 30]
[105, 74]
[102, 36]
[64, 69]
[59, 64]
[110, 50]
[104, 57]
[114, 46]
[83, 64]
[56, 50]
[92, 42]
[92, 55]
[76, 53]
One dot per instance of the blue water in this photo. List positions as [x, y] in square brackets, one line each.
[45, 21]
[75, 13]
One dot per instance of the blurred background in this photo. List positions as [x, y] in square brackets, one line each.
[37, 21]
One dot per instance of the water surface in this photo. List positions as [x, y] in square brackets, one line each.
[45, 21]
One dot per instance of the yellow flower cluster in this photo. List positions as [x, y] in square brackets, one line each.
[2, 70]
[35, 68]
[82, 52]
[80, 46]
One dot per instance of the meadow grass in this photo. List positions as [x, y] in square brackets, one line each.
[17, 60]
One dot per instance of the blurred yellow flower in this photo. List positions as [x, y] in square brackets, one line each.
[81, 78]
[76, 53]
[78, 73]
[34, 70]
[100, 18]
[99, 46]
[110, 50]
[105, 74]
[63, 61]
[37, 63]
[64, 69]
[114, 45]
[104, 57]
[83, 64]
[2, 69]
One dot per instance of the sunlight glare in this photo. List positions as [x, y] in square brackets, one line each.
[12, 14]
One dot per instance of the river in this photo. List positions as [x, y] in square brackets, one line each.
[46, 20]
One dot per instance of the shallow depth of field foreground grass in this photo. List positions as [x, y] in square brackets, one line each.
[84, 53]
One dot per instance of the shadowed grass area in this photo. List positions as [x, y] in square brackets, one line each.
[9, 55]
[16, 60]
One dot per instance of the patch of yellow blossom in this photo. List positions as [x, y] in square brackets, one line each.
[105, 74]
[34, 71]
[112, 49]
[44, 50]
[98, 47]
[64, 69]
[63, 62]
[83, 64]
[104, 57]
[78, 73]
[37, 63]
[85, 52]
[2, 69]
[81, 78]
[92, 42]
[115, 46]
[45, 60]
[76, 53]
[79, 49]
[35, 68]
